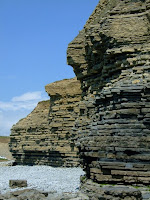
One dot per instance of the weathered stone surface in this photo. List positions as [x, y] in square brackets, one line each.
[65, 96]
[44, 136]
[17, 183]
[111, 58]
[29, 137]
[32, 194]
[108, 192]
[24, 195]
[4, 148]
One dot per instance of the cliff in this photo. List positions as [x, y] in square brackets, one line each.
[30, 136]
[109, 118]
[44, 136]
[64, 98]
[110, 57]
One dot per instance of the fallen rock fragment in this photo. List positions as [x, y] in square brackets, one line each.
[17, 183]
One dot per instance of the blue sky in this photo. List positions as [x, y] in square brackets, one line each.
[34, 36]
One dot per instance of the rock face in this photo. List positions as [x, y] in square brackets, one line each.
[44, 136]
[65, 96]
[25, 194]
[4, 148]
[111, 58]
[29, 139]
[109, 192]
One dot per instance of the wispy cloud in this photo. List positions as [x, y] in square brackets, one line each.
[29, 96]
[26, 101]
[18, 107]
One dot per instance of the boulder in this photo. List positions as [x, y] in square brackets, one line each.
[17, 183]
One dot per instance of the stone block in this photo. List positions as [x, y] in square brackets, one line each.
[17, 183]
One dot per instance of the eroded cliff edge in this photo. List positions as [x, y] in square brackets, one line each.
[44, 136]
[65, 96]
[111, 58]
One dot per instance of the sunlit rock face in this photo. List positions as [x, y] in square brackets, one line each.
[45, 136]
[65, 96]
[111, 58]
[29, 137]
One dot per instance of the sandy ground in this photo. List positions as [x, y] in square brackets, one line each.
[4, 149]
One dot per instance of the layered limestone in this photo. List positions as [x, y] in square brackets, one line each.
[29, 139]
[111, 58]
[65, 96]
[44, 136]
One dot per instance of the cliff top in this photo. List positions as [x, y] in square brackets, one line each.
[36, 117]
[66, 87]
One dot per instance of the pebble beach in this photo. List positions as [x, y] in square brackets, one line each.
[43, 178]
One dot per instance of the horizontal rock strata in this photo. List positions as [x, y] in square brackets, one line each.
[29, 138]
[64, 97]
[109, 192]
[111, 58]
[44, 136]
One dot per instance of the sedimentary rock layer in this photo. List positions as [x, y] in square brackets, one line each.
[64, 98]
[111, 58]
[44, 136]
[29, 139]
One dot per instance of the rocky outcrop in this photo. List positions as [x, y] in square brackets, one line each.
[64, 98]
[44, 136]
[29, 139]
[41, 195]
[111, 58]
[4, 148]
[115, 192]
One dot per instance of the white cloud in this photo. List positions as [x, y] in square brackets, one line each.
[5, 106]
[26, 101]
[19, 107]
[29, 96]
